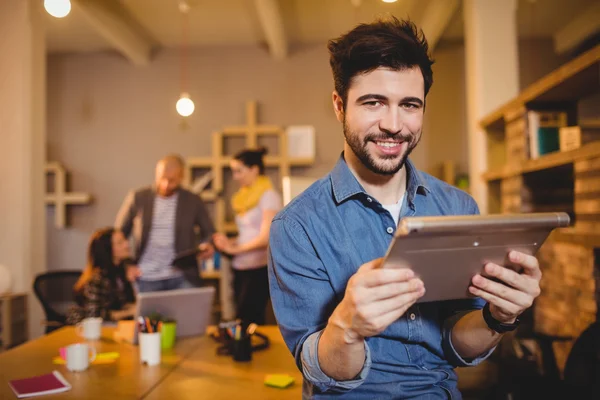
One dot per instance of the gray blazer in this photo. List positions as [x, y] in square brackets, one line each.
[192, 224]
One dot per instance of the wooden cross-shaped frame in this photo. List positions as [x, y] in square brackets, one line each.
[219, 161]
[60, 198]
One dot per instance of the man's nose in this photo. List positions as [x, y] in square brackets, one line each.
[391, 121]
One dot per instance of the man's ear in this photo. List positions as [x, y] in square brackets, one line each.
[338, 106]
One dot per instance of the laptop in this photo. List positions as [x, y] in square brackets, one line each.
[190, 308]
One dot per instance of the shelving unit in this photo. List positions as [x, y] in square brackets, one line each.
[13, 320]
[219, 161]
[561, 181]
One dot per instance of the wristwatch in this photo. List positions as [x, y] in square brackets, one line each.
[496, 325]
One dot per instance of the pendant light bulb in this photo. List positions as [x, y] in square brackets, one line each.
[58, 8]
[185, 105]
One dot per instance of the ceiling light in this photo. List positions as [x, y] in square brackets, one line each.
[185, 105]
[58, 8]
[389, 1]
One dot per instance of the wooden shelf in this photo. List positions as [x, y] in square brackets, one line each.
[567, 181]
[210, 275]
[209, 196]
[548, 161]
[230, 227]
[574, 80]
[13, 319]
[218, 162]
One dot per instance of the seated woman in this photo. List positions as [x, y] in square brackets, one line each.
[103, 289]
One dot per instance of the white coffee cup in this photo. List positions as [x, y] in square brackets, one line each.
[150, 348]
[90, 328]
[79, 357]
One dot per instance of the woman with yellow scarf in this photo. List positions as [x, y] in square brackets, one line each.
[255, 205]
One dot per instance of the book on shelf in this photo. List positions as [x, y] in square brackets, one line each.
[543, 131]
[573, 137]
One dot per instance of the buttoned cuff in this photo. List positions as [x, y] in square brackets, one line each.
[451, 354]
[313, 373]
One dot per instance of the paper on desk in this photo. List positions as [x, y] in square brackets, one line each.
[101, 358]
[279, 380]
[60, 361]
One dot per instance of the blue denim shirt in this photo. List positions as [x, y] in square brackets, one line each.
[318, 242]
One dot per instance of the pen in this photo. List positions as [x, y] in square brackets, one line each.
[251, 328]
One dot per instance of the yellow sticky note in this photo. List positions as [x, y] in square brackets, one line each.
[279, 380]
[112, 355]
[58, 360]
[97, 361]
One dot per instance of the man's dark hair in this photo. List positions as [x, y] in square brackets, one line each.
[391, 43]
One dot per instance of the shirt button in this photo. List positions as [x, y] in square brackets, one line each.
[412, 316]
[390, 230]
[370, 200]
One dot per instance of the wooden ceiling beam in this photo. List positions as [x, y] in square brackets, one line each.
[113, 22]
[271, 21]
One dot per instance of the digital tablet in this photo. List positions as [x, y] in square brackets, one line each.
[445, 252]
[186, 258]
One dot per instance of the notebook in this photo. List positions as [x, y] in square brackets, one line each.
[40, 385]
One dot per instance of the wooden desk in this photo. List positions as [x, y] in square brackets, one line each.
[206, 375]
[191, 370]
[127, 378]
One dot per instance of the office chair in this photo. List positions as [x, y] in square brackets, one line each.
[54, 290]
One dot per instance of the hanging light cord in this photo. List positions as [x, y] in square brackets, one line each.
[184, 8]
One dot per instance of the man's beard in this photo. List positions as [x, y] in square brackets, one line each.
[360, 150]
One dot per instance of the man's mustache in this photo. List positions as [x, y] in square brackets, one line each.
[374, 137]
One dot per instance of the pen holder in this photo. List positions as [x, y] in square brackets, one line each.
[150, 348]
[241, 348]
[168, 333]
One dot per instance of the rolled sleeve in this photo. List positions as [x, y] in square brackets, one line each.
[451, 354]
[303, 300]
[311, 370]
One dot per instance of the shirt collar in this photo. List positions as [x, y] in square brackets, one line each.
[345, 184]
[175, 192]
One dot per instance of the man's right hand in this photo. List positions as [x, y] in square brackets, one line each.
[374, 299]
[133, 273]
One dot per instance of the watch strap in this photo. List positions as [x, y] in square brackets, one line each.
[496, 325]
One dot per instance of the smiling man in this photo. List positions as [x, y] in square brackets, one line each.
[354, 328]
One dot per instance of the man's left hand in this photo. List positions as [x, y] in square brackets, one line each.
[507, 301]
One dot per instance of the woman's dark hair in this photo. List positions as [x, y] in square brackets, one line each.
[100, 252]
[100, 256]
[390, 43]
[253, 157]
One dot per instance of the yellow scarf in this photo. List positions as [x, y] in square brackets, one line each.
[248, 197]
